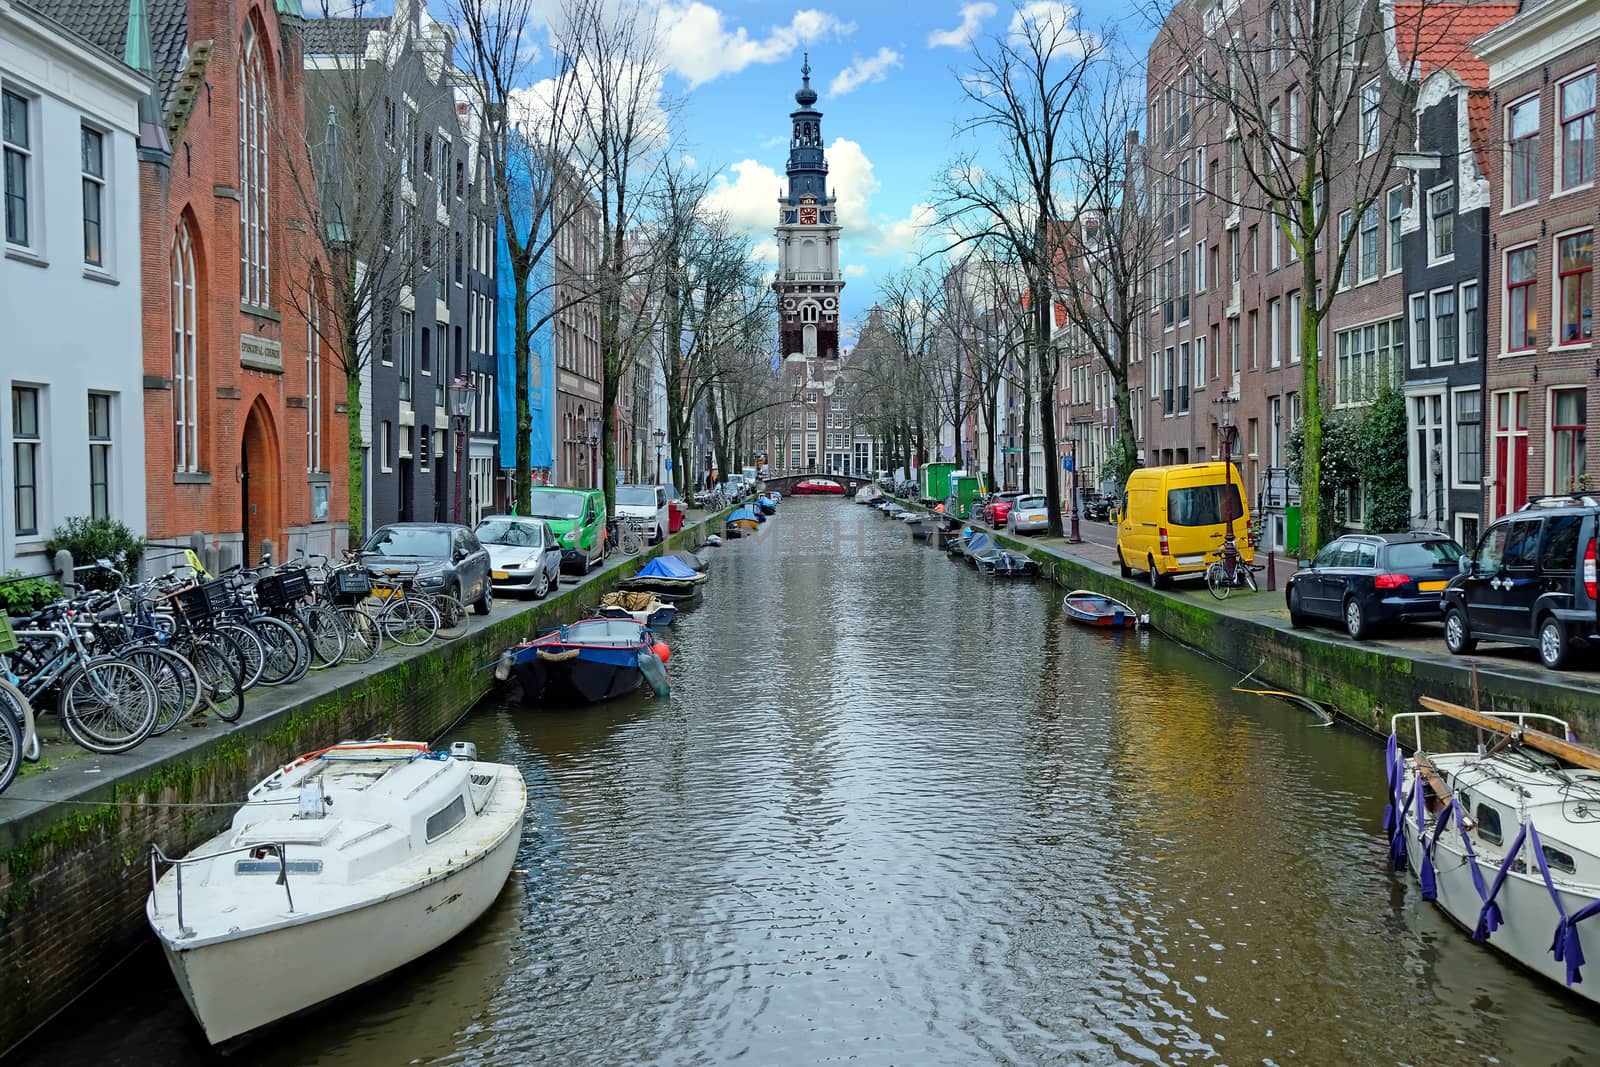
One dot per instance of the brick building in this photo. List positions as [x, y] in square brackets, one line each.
[1542, 373]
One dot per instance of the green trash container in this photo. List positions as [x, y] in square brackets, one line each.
[1291, 530]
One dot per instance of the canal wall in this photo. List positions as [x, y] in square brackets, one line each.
[1362, 683]
[74, 867]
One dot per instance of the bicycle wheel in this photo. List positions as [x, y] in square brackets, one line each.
[177, 688]
[629, 540]
[252, 653]
[1217, 581]
[409, 621]
[109, 706]
[1250, 579]
[287, 659]
[13, 701]
[10, 747]
[327, 636]
[362, 635]
[452, 617]
[220, 676]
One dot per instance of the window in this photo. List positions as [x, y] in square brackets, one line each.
[1558, 548]
[1274, 329]
[254, 135]
[385, 437]
[26, 442]
[1368, 357]
[1168, 396]
[1488, 824]
[314, 385]
[1522, 160]
[1200, 173]
[1441, 222]
[1419, 330]
[1199, 364]
[1522, 308]
[1577, 131]
[1575, 271]
[94, 196]
[461, 178]
[100, 455]
[1296, 312]
[406, 332]
[1347, 277]
[185, 357]
[458, 257]
[1233, 252]
[18, 162]
[1370, 124]
[1184, 378]
[1469, 437]
[1184, 184]
[1233, 344]
[1294, 109]
[427, 154]
[1183, 287]
[1471, 323]
[1444, 326]
[1369, 242]
[1200, 267]
[1561, 861]
[446, 818]
[1397, 205]
[386, 334]
[1568, 438]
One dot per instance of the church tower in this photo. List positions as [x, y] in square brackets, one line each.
[808, 280]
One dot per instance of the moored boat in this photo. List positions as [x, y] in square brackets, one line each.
[818, 487]
[1492, 837]
[668, 577]
[339, 868]
[741, 522]
[1096, 609]
[646, 609]
[1005, 563]
[586, 662]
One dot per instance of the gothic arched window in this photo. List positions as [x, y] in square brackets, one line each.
[253, 139]
[185, 355]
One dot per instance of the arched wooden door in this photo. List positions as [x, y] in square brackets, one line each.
[260, 488]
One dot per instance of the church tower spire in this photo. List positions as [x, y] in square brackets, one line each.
[808, 280]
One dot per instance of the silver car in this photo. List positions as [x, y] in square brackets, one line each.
[524, 556]
[1030, 514]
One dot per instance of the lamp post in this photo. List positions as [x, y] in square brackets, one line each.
[1272, 538]
[1225, 404]
[1436, 461]
[594, 446]
[462, 394]
[1073, 534]
[660, 438]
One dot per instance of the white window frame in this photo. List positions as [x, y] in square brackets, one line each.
[1506, 350]
[185, 354]
[31, 186]
[1461, 518]
[104, 445]
[1393, 236]
[1371, 116]
[1293, 314]
[314, 386]
[1461, 320]
[1509, 155]
[1377, 235]
[34, 443]
[385, 439]
[1199, 363]
[1452, 438]
[1200, 173]
[1434, 295]
[1434, 258]
[1200, 267]
[255, 212]
[1274, 328]
[1419, 343]
[95, 184]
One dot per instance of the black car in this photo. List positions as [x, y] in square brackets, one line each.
[444, 557]
[1531, 581]
[1365, 580]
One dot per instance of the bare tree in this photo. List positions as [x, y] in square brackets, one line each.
[1316, 116]
[348, 183]
[1019, 92]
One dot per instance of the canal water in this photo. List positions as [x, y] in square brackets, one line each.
[895, 812]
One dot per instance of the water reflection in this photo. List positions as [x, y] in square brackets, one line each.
[898, 812]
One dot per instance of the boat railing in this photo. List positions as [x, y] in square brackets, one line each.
[258, 851]
[1521, 719]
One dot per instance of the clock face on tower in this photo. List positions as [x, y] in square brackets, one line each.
[808, 216]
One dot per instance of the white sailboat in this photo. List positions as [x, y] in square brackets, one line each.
[340, 867]
[1505, 839]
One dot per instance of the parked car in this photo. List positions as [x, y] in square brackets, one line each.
[1176, 518]
[524, 556]
[1030, 514]
[578, 519]
[995, 509]
[1366, 580]
[445, 558]
[647, 504]
[1530, 581]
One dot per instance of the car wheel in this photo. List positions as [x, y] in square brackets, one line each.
[1154, 576]
[1122, 565]
[1553, 646]
[542, 588]
[1297, 615]
[1457, 637]
[1355, 619]
[485, 603]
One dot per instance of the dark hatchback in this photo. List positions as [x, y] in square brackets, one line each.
[442, 557]
[1366, 580]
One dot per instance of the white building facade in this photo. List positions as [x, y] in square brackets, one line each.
[71, 369]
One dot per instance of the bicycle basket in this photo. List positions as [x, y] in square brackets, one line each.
[8, 639]
[204, 600]
[278, 590]
[353, 582]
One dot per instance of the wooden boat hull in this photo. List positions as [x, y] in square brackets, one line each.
[240, 984]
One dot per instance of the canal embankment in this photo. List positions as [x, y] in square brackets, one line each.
[1363, 683]
[75, 830]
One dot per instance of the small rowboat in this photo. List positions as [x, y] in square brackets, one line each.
[1097, 609]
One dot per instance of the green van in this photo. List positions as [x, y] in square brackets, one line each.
[578, 519]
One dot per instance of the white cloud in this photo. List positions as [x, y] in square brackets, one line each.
[874, 68]
[749, 198]
[972, 16]
[1051, 20]
[697, 44]
[855, 270]
[764, 252]
[688, 162]
[904, 236]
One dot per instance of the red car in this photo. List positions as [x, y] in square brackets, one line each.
[995, 511]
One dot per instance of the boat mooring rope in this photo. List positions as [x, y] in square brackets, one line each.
[1304, 701]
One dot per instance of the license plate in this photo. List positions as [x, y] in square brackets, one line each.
[1430, 587]
[499, 575]
[1191, 561]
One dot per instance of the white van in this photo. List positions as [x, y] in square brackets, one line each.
[646, 504]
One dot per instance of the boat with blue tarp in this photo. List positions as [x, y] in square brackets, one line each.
[585, 662]
[741, 522]
[668, 577]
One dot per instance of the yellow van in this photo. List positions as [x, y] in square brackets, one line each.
[1175, 520]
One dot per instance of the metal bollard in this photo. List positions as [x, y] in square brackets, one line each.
[1272, 571]
[211, 559]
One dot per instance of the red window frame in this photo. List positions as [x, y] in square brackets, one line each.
[1571, 437]
[1527, 292]
[1583, 279]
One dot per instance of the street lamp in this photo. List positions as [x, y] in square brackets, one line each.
[462, 395]
[1225, 404]
[660, 438]
[594, 445]
[1272, 538]
[1072, 504]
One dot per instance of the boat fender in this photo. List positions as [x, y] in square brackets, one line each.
[663, 653]
[558, 657]
[502, 667]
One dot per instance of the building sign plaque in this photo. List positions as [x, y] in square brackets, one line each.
[260, 353]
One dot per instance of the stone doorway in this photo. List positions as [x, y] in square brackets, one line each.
[260, 484]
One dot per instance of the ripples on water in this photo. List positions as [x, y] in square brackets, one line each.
[898, 813]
